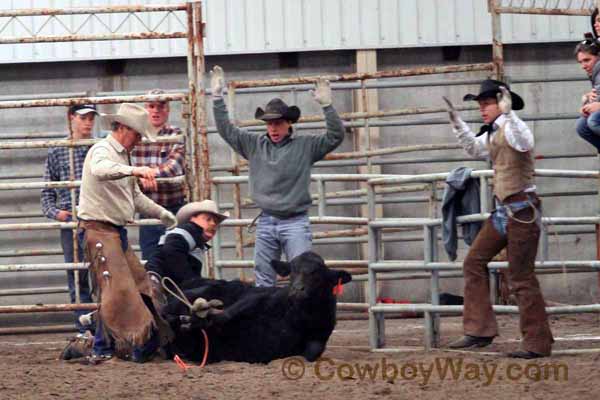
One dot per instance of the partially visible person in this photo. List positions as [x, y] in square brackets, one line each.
[109, 198]
[595, 22]
[56, 202]
[168, 159]
[588, 124]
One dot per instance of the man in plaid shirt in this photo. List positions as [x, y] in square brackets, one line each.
[56, 203]
[169, 161]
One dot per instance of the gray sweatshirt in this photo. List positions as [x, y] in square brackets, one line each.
[279, 178]
[595, 78]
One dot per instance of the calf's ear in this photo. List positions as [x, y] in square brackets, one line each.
[335, 276]
[282, 268]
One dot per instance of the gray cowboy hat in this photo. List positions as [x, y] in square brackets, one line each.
[134, 117]
[490, 88]
[277, 109]
[205, 206]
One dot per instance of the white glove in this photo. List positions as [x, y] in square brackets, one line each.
[452, 114]
[168, 219]
[322, 94]
[217, 81]
[504, 100]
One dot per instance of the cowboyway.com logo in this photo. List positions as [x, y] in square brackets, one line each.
[441, 369]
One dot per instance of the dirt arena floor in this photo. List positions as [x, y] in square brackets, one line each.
[348, 370]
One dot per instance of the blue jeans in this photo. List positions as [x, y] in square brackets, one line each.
[589, 129]
[146, 351]
[149, 234]
[273, 234]
[66, 242]
[103, 343]
[500, 215]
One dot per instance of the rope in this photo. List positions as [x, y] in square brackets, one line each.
[251, 227]
[511, 215]
[181, 297]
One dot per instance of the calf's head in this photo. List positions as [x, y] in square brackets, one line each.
[309, 276]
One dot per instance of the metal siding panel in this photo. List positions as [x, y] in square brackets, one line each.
[408, 24]
[370, 23]
[255, 12]
[179, 46]
[6, 51]
[558, 28]
[464, 19]
[446, 22]
[216, 23]
[389, 17]
[23, 52]
[236, 26]
[427, 17]
[332, 23]
[482, 22]
[81, 49]
[44, 26]
[122, 23]
[64, 51]
[521, 28]
[313, 23]
[294, 27]
[274, 37]
[351, 24]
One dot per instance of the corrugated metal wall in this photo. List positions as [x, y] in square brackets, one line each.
[257, 26]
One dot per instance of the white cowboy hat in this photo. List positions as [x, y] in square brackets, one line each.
[205, 206]
[134, 117]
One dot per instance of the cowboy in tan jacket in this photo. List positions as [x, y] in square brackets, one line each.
[515, 224]
[109, 198]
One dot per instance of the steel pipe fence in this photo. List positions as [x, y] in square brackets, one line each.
[197, 149]
[193, 114]
[430, 262]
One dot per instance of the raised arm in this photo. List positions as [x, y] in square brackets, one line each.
[321, 145]
[242, 141]
[474, 146]
[517, 133]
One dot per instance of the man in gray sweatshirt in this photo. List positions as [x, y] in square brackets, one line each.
[279, 178]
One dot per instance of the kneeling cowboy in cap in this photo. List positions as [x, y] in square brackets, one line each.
[515, 223]
[279, 178]
[109, 198]
[180, 250]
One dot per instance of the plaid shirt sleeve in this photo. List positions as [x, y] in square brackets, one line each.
[175, 163]
[49, 196]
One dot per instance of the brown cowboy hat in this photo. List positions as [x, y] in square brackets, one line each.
[490, 88]
[277, 109]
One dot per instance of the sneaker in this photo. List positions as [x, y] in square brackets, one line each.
[471, 342]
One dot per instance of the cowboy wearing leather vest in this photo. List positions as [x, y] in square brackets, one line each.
[515, 224]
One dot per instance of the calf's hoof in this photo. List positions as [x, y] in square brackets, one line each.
[202, 308]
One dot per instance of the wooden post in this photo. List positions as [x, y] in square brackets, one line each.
[366, 138]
